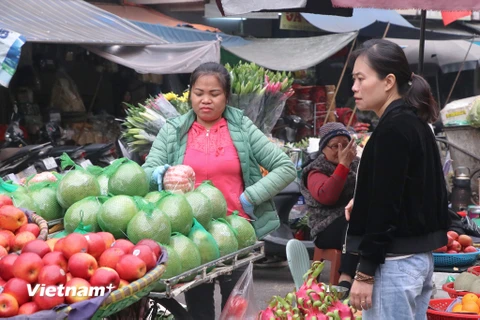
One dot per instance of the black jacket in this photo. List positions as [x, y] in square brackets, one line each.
[400, 204]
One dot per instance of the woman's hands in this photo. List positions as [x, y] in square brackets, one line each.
[361, 295]
[348, 210]
[158, 174]
[347, 155]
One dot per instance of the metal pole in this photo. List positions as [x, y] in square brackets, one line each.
[332, 103]
[421, 50]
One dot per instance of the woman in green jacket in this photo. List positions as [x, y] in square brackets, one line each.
[224, 146]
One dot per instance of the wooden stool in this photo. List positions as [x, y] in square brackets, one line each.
[332, 255]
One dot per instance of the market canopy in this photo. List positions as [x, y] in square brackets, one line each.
[292, 54]
[148, 15]
[446, 56]
[289, 54]
[237, 7]
[70, 21]
[439, 5]
[162, 59]
[373, 23]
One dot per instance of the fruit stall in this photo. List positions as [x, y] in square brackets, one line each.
[108, 231]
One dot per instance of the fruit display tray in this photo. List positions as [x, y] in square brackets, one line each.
[455, 260]
[220, 267]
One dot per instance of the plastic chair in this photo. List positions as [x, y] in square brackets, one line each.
[298, 260]
[332, 255]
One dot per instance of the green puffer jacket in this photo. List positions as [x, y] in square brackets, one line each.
[254, 150]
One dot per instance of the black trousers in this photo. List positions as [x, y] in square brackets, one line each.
[201, 301]
[333, 237]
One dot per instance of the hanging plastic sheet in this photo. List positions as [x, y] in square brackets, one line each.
[10, 48]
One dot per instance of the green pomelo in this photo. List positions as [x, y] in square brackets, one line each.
[179, 211]
[187, 251]
[85, 211]
[217, 200]
[154, 196]
[173, 267]
[115, 215]
[129, 179]
[46, 202]
[155, 226]
[201, 206]
[205, 243]
[224, 237]
[246, 236]
[103, 183]
[21, 199]
[75, 186]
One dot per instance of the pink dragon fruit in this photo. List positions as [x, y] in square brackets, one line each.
[343, 310]
[311, 291]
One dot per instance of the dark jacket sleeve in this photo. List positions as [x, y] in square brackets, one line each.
[390, 162]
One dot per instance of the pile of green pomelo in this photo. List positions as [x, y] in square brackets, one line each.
[191, 224]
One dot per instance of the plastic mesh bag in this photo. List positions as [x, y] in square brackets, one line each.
[76, 185]
[205, 242]
[149, 223]
[474, 114]
[44, 196]
[126, 177]
[241, 303]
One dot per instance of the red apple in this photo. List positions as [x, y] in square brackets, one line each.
[156, 248]
[465, 240]
[470, 249]
[453, 234]
[104, 277]
[55, 258]
[74, 243]
[82, 265]
[39, 247]
[69, 276]
[2, 282]
[32, 227]
[6, 266]
[27, 266]
[110, 257]
[3, 252]
[51, 243]
[5, 241]
[107, 237]
[76, 290]
[52, 275]
[96, 244]
[452, 251]
[146, 254]
[131, 267]
[48, 297]
[58, 246]
[12, 218]
[5, 201]
[8, 234]
[441, 249]
[21, 239]
[123, 244]
[17, 288]
[456, 246]
[450, 240]
[28, 308]
[123, 283]
[8, 305]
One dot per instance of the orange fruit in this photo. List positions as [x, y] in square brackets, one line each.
[470, 297]
[457, 308]
[471, 306]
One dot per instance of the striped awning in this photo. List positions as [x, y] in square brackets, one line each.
[71, 21]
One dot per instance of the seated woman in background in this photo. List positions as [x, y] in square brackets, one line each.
[328, 183]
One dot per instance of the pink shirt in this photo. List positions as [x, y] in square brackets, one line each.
[212, 155]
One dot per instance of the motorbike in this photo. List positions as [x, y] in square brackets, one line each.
[286, 127]
[20, 160]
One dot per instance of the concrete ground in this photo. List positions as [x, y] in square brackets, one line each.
[268, 282]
